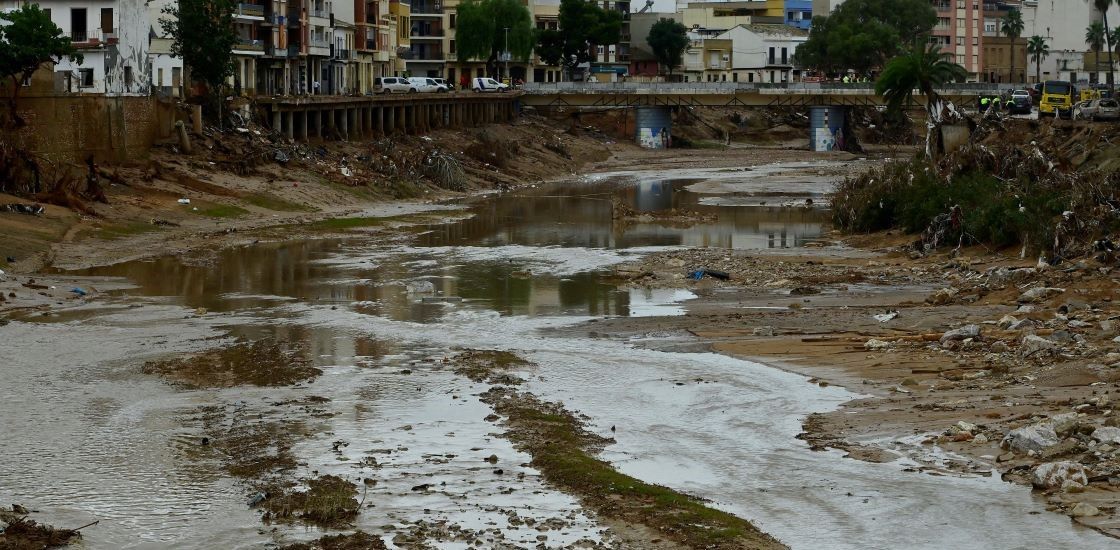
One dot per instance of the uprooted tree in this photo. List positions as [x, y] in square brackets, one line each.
[203, 35]
[28, 41]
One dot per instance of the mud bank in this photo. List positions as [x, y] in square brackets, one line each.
[965, 359]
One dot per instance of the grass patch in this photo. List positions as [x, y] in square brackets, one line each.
[220, 211]
[359, 540]
[21, 533]
[489, 366]
[272, 202]
[328, 501]
[262, 363]
[564, 452]
[124, 230]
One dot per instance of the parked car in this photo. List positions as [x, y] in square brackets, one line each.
[1097, 109]
[488, 85]
[443, 82]
[392, 85]
[424, 84]
[1020, 102]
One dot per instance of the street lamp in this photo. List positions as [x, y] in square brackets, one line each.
[507, 55]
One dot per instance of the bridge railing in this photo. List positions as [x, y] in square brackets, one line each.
[864, 88]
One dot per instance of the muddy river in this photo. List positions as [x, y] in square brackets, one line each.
[88, 437]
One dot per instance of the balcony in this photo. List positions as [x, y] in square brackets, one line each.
[249, 46]
[433, 34]
[427, 8]
[252, 12]
[319, 47]
[93, 38]
[273, 51]
[343, 55]
[319, 13]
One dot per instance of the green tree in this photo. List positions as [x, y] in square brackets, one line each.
[1012, 26]
[29, 40]
[203, 35]
[863, 34]
[481, 31]
[1095, 38]
[668, 40]
[1114, 38]
[583, 26]
[1038, 50]
[1102, 7]
[923, 68]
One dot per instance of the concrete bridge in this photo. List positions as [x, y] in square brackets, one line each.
[357, 117]
[827, 102]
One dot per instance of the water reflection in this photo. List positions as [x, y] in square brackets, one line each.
[372, 278]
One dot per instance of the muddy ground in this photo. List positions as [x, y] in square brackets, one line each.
[1033, 384]
[1004, 367]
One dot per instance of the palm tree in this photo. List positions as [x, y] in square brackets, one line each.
[1095, 38]
[924, 67]
[1102, 6]
[1038, 50]
[1013, 27]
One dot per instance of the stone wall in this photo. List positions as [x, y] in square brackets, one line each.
[113, 129]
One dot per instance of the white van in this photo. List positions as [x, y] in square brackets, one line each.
[392, 85]
[423, 84]
[487, 85]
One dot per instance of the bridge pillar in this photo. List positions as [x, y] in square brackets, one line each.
[276, 121]
[289, 127]
[826, 128]
[390, 119]
[302, 126]
[653, 127]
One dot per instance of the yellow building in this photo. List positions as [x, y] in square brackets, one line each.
[722, 16]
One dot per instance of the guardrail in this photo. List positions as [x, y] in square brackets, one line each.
[726, 87]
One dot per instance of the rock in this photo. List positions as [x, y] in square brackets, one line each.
[1061, 337]
[763, 331]
[874, 344]
[967, 331]
[1039, 294]
[1006, 321]
[1107, 434]
[999, 347]
[1078, 324]
[1005, 457]
[1084, 510]
[1066, 447]
[1022, 324]
[1031, 438]
[967, 427]
[1054, 475]
[942, 296]
[980, 439]
[804, 291]
[1032, 345]
[1108, 326]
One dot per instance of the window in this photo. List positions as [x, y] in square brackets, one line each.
[785, 56]
[159, 78]
[451, 21]
[128, 77]
[451, 46]
[85, 78]
[771, 55]
[960, 23]
[960, 41]
[107, 20]
[975, 41]
[960, 4]
[78, 30]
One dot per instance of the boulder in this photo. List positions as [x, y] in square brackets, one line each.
[1107, 434]
[1056, 475]
[957, 334]
[1032, 345]
[1061, 337]
[1084, 510]
[1108, 327]
[943, 296]
[1022, 324]
[1007, 321]
[1039, 294]
[874, 344]
[967, 427]
[1035, 437]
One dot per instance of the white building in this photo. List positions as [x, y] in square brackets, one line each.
[166, 69]
[1062, 23]
[764, 52]
[113, 38]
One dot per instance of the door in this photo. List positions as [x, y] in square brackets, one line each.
[107, 20]
[79, 32]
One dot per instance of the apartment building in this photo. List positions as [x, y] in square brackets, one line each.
[761, 53]
[113, 38]
[1000, 52]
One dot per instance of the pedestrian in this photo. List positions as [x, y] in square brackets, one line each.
[846, 79]
[316, 87]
